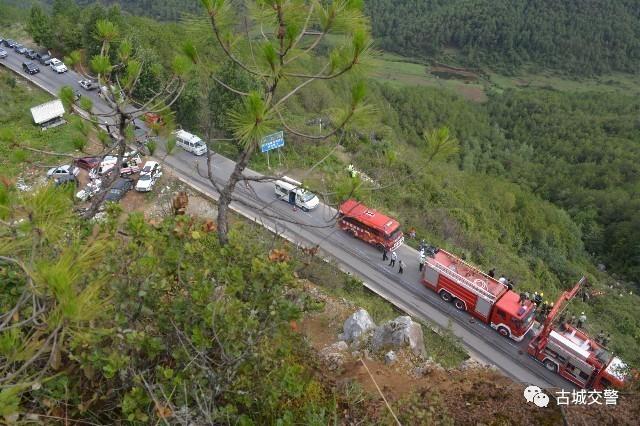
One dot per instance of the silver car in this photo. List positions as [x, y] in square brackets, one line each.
[3, 53]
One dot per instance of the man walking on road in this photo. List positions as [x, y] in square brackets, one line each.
[421, 261]
[400, 267]
[384, 254]
[394, 257]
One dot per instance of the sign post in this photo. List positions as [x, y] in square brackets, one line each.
[273, 141]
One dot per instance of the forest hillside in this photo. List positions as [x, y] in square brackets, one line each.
[576, 36]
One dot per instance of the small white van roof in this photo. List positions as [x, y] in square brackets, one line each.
[288, 183]
[189, 137]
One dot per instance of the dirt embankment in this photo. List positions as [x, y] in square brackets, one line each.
[467, 395]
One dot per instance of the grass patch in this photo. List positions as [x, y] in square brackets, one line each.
[17, 97]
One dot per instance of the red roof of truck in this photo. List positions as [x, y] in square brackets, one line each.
[370, 217]
[468, 272]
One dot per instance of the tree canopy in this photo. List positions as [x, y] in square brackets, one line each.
[576, 36]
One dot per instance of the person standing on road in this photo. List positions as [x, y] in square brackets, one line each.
[384, 254]
[400, 267]
[421, 261]
[394, 257]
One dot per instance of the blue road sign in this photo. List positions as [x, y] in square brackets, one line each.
[273, 141]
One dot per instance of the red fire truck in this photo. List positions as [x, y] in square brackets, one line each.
[482, 296]
[571, 353]
[369, 225]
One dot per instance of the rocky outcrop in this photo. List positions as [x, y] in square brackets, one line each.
[470, 364]
[356, 326]
[390, 358]
[427, 367]
[399, 333]
[333, 355]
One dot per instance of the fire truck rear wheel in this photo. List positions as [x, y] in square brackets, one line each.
[444, 295]
[459, 304]
[503, 331]
[551, 366]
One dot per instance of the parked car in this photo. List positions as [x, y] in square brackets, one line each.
[91, 189]
[130, 165]
[31, 54]
[20, 49]
[43, 58]
[88, 85]
[65, 180]
[30, 68]
[119, 189]
[3, 53]
[57, 65]
[149, 174]
[87, 163]
[66, 169]
[10, 43]
[2, 41]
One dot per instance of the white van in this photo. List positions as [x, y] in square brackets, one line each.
[190, 143]
[292, 192]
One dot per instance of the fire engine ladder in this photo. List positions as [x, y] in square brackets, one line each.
[477, 286]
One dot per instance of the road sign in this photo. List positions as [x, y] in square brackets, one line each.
[273, 141]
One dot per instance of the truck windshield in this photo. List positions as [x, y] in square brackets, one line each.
[524, 323]
[395, 234]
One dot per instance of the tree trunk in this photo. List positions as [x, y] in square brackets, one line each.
[107, 182]
[226, 193]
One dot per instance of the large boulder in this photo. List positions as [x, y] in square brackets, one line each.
[333, 355]
[390, 358]
[398, 333]
[356, 325]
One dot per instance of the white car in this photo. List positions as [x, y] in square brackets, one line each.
[87, 85]
[130, 165]
[66, 169]
[149, 174]
[58, 66]
[89, 190]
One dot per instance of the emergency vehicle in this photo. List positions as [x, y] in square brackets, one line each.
[571, 353]
[484, 297]
[370, 225]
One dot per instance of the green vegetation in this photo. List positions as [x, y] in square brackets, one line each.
[576, 36]
[545, 185]
[139, 320]
[16, 127]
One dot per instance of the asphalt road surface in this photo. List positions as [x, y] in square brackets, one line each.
[352, 255]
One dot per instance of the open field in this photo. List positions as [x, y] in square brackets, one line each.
[401, 71]
[16, 126]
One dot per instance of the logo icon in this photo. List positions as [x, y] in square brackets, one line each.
[541, 400]
[534, 394]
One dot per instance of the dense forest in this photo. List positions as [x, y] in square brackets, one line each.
[162, 10]
[576, 36]
[578, 151]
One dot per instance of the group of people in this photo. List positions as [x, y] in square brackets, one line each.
[393, 260]
[422, 257]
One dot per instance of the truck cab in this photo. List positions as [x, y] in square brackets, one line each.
[512, 318]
